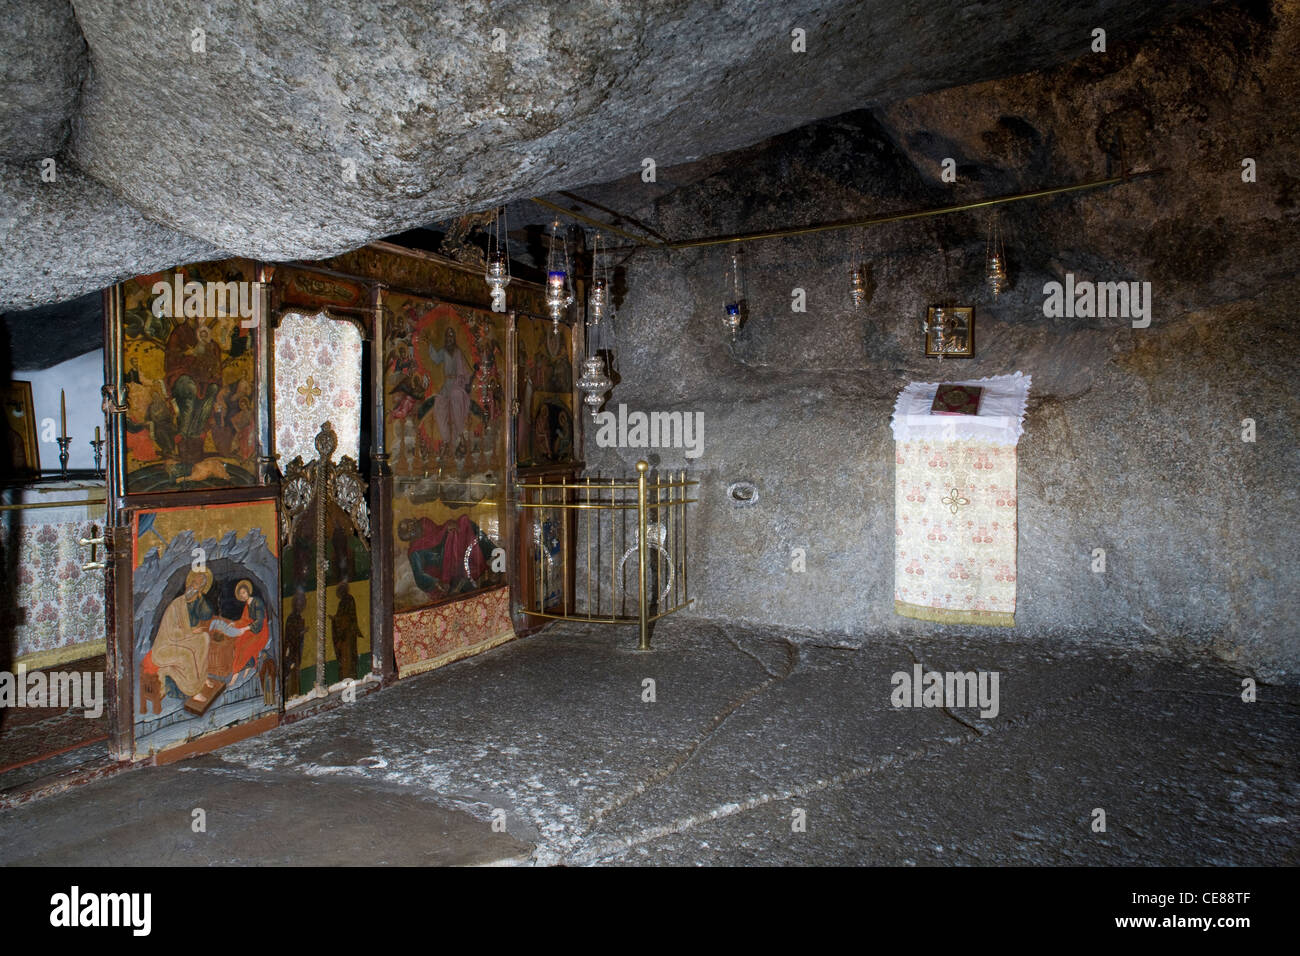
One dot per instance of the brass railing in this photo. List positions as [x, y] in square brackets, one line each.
[579, 532]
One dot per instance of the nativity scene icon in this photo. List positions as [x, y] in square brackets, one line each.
[197, 655]
[206, 615]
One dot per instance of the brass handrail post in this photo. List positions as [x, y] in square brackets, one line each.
[643, 609]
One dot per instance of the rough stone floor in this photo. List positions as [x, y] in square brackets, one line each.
[746, 729]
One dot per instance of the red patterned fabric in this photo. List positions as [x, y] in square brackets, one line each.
[433, 636]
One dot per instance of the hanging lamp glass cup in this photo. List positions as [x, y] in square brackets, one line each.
[498, 272]
[599, 299]
[732, 320]
[996, 274]
[594, 383]
[857, 287]
[557, 293]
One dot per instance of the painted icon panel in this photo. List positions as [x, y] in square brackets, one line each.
[206, 620]
[317, 379]
[347, 603]
[544, 426]
[189, 371]
[444, 374]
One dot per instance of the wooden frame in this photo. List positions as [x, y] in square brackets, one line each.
[959, 328]
[424, 275]
[20, 416]
[155, 354]
[161, 568]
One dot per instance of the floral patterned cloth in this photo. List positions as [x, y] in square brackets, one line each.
[56, 605]
[433, 636]
[955, 531]
[317, 379]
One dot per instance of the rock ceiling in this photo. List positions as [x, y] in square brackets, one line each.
[180, 133]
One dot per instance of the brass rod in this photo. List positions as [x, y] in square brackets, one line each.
[615, 213]
[622, 519]
[613, 548]
[584, 618]
[588, 523]
[564, 549]
[642, 467]
[77, 503]
[681, 542]
[583, 506]
[685, 593]
[671, 610]
[429, 479]
[539, 535]
[631, 486]
[616, 488]
[1127, 176]
[639, 240]
[600, 619]
[659, 520]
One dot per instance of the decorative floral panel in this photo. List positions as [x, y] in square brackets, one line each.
[955, 531]
[317, 379]
[433, 636]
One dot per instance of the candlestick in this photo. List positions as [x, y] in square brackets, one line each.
[63, 413]
[64, 441]
[98, 446]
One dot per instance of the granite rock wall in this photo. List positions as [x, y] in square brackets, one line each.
[1133, 438]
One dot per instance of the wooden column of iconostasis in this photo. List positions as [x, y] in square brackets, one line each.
[194, 582]
[546, 450]
[446, 424]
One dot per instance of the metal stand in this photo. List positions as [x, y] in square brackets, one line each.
[98, 445]
[64, 442]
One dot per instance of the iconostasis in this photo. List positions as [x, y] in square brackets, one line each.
[283, 544]
[195, 640]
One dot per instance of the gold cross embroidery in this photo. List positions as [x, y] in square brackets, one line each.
[954, 501]
[309, 391]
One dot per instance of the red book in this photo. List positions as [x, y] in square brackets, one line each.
[957, 400]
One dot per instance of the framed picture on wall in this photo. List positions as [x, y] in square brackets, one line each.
[190, 376]
[20, 417]
[206, 634]
[958, 324]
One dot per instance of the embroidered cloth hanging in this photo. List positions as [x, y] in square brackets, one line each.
[955, 500]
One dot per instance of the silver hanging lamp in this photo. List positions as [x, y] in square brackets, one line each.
[559, 288]
[995, 258]
[497, 270]
[595, 380]
[734, 312]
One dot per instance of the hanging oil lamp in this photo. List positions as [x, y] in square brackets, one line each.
[599, 300]
[559, 291]
[595, 380]
[734, 314]
[594, 383]
[857, 286]
[995, 259]
[497, 271]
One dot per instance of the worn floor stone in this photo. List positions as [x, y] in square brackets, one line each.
[747, 726]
